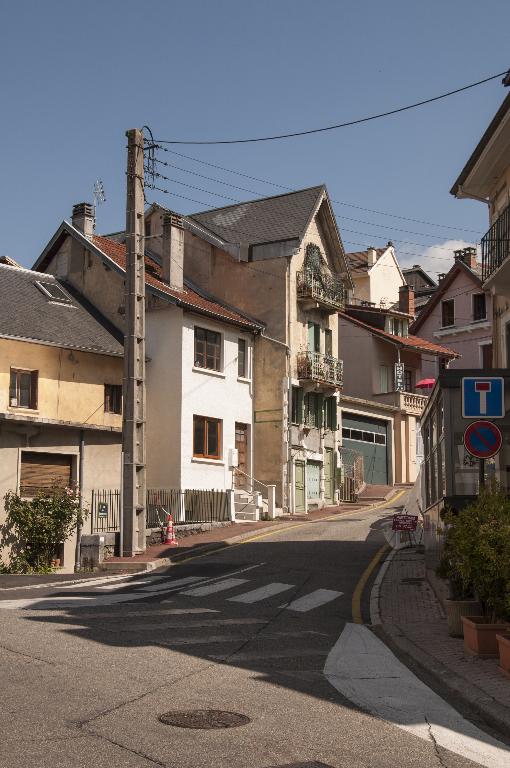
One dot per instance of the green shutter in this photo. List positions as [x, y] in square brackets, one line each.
[334, 418]
[317, 338]
[319, 420]
[311, 336]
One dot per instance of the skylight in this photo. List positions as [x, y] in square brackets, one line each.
[54, 292]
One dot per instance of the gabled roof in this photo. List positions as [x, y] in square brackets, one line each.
[358, 260]
[113, 253]
[413, 343]
[28, 313]
[458, 267]
[264, 220]
[416, 269]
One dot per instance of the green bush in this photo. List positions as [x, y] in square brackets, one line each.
[35, 528]
[478, 550]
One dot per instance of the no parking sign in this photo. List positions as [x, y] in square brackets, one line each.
[483, 439]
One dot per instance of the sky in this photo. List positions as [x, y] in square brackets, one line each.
[75, 76]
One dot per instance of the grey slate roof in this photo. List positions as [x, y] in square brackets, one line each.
[27, 314]
[266, 220]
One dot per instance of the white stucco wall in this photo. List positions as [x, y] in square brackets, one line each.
[220, 395]
[385, 279]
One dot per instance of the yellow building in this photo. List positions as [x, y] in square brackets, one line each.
[60, 392]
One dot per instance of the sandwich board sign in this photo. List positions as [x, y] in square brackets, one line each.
[483, 397]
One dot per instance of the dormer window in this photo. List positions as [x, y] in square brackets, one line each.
[397, 326]
[54, 292]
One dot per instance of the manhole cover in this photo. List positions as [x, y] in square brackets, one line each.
[203, 718]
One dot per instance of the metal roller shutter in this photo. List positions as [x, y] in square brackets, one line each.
[44, 470]
[369, 438]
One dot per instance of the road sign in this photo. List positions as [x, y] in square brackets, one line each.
[404, 522]
[483, 397]
[483, 439]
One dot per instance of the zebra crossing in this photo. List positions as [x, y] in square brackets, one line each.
[193, 587]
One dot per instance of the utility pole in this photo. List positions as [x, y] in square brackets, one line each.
[133, 419]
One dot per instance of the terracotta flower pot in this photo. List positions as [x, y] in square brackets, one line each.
[455, 610]
[503, 640]
[480, 636]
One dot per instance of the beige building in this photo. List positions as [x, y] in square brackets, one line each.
[486, 178]
[281, 260]
[60, 392]
[376, 275]
[381, 404]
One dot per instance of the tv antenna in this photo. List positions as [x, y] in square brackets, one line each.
[99, 194]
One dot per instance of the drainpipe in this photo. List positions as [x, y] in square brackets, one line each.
[81, 462]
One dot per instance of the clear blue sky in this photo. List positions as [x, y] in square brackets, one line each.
[74, 76]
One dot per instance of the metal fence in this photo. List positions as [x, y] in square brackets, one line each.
[105, 511]
[189, 506]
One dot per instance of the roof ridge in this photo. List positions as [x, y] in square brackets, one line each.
[321, 186]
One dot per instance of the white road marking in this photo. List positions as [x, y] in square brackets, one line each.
[313, 600]
[167, 585]
[209, 589]
[122, 585]
[261, 593]
[366, 672]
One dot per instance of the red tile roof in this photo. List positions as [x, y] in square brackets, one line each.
[188, 297]
[410, 342]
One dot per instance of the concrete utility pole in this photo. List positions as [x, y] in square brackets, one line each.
[133, 420]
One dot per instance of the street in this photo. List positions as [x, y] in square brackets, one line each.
[263, 629]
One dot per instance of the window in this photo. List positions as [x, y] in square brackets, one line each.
[297, 405]
[408, 380]
[447, 313]
[206, 437]
[44, 470]
[54, 291]
[330, 408]
[241, 358]
[313, 409]
[314, 337]
[486, 356]
[384, 378]
[207, 349]
[113, 398]
[328, 342]
[364, 437]
[479, 309]
[23, 389]
[147, 229]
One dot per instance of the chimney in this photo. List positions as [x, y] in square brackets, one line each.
[406, 299]
[172, 251]
[371, 256]
[83, 218]
[469, 257]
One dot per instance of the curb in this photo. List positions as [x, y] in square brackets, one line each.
[493, 713]
[201, 550]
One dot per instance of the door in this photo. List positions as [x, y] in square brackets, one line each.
[313, 480]
[368, 437]
[242, 454]
[329, 475]
[299, 486]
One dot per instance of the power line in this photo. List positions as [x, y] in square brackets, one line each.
[252, 192]
[291, 189]
[337, 125]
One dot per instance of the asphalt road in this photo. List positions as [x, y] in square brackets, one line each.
[87, 671]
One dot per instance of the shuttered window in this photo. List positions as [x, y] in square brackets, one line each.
[44, 470]
[113, 398]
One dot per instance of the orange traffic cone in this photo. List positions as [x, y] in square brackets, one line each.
[170, 533]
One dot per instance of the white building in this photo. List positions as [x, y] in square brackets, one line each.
[199, 353]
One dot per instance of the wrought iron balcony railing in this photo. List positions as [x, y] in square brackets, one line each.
[496, 244]
[326, 290]
[321, 368]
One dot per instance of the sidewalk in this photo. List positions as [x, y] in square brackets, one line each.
[413, 622]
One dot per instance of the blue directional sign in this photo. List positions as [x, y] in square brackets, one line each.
[483, 396]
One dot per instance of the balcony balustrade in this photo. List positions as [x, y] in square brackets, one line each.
[323, 369]
[496, 244]
[321, 290]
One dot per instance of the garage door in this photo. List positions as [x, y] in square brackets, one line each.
[369, 438]
[44, 470]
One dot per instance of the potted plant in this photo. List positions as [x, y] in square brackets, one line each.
[478, 541]
[503, 640]
[460, 601]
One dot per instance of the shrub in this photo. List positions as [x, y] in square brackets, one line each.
[478, 548]
[35, 528]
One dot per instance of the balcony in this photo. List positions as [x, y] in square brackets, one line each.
[318, 290]
[496, 245]
[323, 369]
[406, 401]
